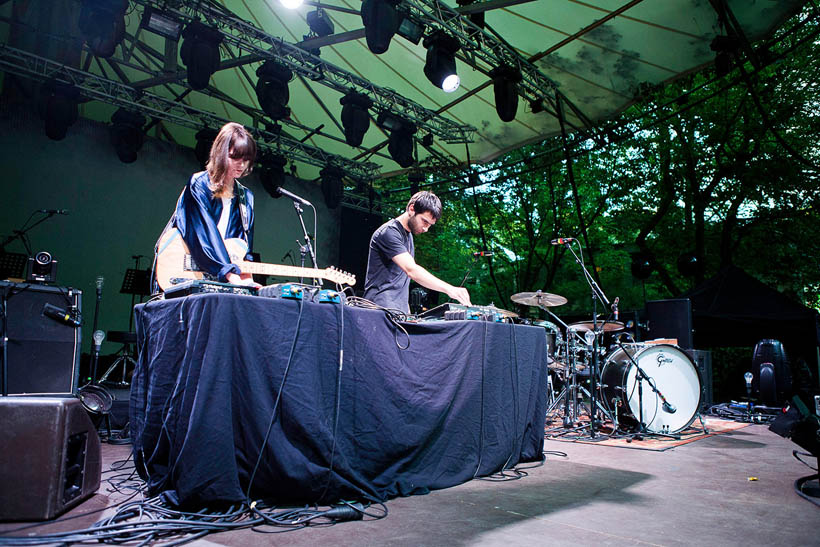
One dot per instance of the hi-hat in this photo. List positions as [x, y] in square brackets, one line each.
[538, 298]
[609, 326]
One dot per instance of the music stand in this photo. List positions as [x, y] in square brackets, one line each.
[136, 282]
[13, 265]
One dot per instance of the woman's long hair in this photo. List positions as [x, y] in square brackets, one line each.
[233, 141]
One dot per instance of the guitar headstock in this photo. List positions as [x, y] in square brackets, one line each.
[339, 276]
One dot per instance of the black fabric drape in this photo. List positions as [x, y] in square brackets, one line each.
[467, 398]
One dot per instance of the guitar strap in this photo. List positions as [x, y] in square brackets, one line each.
[241, 193]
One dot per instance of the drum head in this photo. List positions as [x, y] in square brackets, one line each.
[672, 372]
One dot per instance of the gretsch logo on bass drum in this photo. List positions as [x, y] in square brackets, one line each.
[663, 359]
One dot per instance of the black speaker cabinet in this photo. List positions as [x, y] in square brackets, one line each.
[50, 459]
[43, 350]
[703, 361]
[670, 318]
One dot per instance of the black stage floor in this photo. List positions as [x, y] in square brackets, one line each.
[695, 494]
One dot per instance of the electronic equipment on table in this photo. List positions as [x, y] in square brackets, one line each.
[457, 312]
[204, 286]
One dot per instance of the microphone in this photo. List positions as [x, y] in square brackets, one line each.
[279, 191]
[483, 253]
[615, 306]
[54, 211]
[60, 315]
[562, 240]
[670, 408]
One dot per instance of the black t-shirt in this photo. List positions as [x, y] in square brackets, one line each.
[386, 284]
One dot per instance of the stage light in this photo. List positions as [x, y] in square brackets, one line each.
[724, 47]
[204, 140]
[641, 266]
[200, 53]
[505, 89]
[355, 116]
[440, 65]
[161, 23]
[272, 172]
[381, 21]
[272, 89]
[320, 23]
[410, 29]
[126, 134]
[102, 23]
[291, 4]
[59, 108]
[332, 187]
[400, 142]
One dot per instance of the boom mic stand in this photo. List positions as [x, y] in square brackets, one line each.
[597, 295]
[307, 248]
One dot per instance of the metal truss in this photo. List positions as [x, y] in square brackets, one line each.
[352, 200]
[245, 37]
[28, 65]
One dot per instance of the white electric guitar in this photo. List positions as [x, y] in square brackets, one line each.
[174, 262]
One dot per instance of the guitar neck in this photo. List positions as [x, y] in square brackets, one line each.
[280, 270]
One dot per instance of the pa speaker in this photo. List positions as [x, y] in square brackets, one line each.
[44, 338]
[670, 318]
[50, 459]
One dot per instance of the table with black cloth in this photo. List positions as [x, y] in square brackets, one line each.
[222, 378]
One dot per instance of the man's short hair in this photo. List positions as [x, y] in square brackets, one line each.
[424, 202]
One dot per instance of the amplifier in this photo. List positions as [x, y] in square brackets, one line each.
[43, 338]
[200, 286]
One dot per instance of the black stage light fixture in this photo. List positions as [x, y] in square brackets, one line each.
[160, 23]
[400, 142]
[332, 187]
[440, 65]
[475, 18]
[355, 116]
[641, 266]
[415, 179]
[42, 268]
[59, 103]
[272, 89]
[272, 173]
[320, 23]
[505, 89]
[200, 53]
[102, 23]
[381, 21]
[410, 29]
[126, 134]
[205, 138]
[689, 265]
[724, 47]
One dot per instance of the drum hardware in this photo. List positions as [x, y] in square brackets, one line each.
[538, 299]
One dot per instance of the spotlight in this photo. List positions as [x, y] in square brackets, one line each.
[272, 173]
[102, 23]
[42, 268]
[505, 88]
[400, 142]
[724, 47]
[440, 66]
[641, 265]
[59, 108]
[200, 53]
[320, 23]
[332, 187]
[272, 89]
[291, 4]
[126, 134]
[204, 140]
[410, 29]
[381, 21]
[355, 116]
[160, 23]
[689, 265]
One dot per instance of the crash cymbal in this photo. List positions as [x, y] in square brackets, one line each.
[538, 298]
[499, 311]
[583, 326]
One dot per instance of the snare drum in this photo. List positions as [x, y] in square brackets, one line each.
[673, 373]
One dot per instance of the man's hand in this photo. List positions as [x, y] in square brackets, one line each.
[245, 279]
[460, 294]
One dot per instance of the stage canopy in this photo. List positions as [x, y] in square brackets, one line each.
[588, 59]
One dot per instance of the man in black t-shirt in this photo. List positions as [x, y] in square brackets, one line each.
[391, 263]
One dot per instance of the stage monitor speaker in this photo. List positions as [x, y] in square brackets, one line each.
[703, 361]
[50, 460]
[670, 318]
[43, 350]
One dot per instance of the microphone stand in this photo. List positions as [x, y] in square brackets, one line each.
[597, 295]
[21, 233]
[307, 248]
[96, 353]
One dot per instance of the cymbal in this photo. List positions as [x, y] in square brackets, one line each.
[499, 311]
[583, 326]
[538, 298]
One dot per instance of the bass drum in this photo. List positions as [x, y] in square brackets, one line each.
[672, 372]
